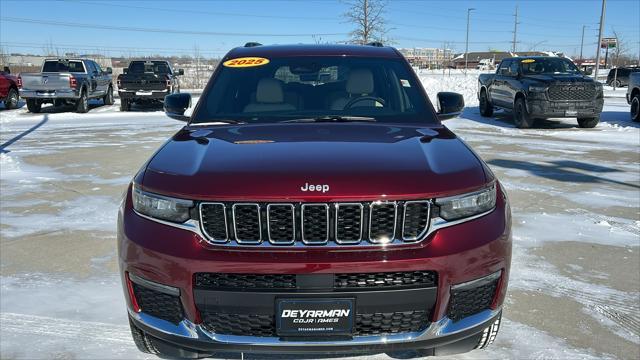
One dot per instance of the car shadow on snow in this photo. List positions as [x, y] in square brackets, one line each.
[563, 170]
[619, 118]
[21, 103]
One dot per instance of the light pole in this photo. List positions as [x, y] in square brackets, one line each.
[604, 8]
[466, 49]
[582, 41]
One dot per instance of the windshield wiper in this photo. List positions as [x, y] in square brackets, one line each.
[218, 121]
[332, 118]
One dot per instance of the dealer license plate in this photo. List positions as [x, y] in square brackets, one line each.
[313, 317]
[570, 113]
[143, 92]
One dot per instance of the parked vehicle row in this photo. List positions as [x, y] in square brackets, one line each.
[619, 77]
[541, 87]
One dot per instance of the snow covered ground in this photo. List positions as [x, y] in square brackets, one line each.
[575, 193]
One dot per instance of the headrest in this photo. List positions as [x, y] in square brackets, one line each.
[360, 82]
[269, 91]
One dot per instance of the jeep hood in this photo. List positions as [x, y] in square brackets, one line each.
[275, 161]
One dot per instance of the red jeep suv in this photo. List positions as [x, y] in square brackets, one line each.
[314, 204]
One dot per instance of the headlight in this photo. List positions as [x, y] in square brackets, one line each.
[534, 88]
[161, 207]
[466, 205]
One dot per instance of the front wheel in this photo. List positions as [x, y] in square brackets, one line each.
[635, 108]
[486, 109]
[11, 102]
[588, 122]
[33, 106]
[108, 99]
[521, 116]
[82, 104]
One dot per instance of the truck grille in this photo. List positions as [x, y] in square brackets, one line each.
[366, 324]
[572, 92]
[310, 224]
[341, 282]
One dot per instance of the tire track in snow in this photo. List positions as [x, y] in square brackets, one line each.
[78, 330]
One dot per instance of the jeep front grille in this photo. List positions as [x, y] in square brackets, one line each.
[572, 92]
[296, 224]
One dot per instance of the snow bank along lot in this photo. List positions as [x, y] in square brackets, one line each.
[575, 193]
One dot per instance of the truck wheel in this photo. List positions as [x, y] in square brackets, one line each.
[588, 122]
[125, 105]
[521, 117]
[635, 108]
[82, 104]
[108, 99]
[33, 106]
[615, 83]
[11, 102]
[489, 334]
[486, 109]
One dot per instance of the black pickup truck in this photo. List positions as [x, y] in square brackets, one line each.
[541, 87]
[146, 81]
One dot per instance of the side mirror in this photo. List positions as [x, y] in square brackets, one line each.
[180, 71]
[125, 71]
[7, 70]
[176, 104]
[109, 70]
[450, 105]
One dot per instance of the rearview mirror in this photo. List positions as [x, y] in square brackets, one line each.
[109, 70]
[180, 71]
[450, 105]
[176, 104]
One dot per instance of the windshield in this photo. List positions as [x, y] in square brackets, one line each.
[156, 67]
[549, 65]
[314, 88]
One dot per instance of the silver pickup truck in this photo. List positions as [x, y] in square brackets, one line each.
[66, 82]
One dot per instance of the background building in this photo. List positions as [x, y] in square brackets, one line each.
[427, 58]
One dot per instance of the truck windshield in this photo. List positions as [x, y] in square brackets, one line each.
[155, 67]
[62, 66]
[323, 87]
[548, 66]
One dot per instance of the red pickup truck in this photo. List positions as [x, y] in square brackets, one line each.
[314, 204]
[9, 94]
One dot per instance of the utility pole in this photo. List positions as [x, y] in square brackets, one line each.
[604, 8]
[582, 41]
[466, 49]
[515, 31]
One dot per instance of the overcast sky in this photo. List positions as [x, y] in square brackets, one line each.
[176, 27]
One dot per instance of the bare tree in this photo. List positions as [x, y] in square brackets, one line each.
[368, 17]
[622, 48]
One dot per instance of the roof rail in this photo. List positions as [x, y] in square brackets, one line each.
[252, 44]
[375, 43]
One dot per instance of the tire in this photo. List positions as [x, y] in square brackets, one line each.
[635, 108]
[588, 123]
[108, 99]
[11, 101]
[615, 83]
[489, 334]
[82, 104]
[521, 117]
[33, 106]
[125, 105]
[486, 109]
[142, 341]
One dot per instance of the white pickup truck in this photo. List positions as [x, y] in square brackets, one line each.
[66, 81]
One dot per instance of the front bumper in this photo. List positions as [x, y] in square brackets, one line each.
[560, 109]
[457, 254]
[143, 94]
[50, 94]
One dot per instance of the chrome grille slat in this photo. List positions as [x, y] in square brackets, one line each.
[315, 224]
[281, 226]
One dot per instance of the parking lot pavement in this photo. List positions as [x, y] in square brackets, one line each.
[574, 288]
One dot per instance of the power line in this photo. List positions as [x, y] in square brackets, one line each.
[155, 30]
